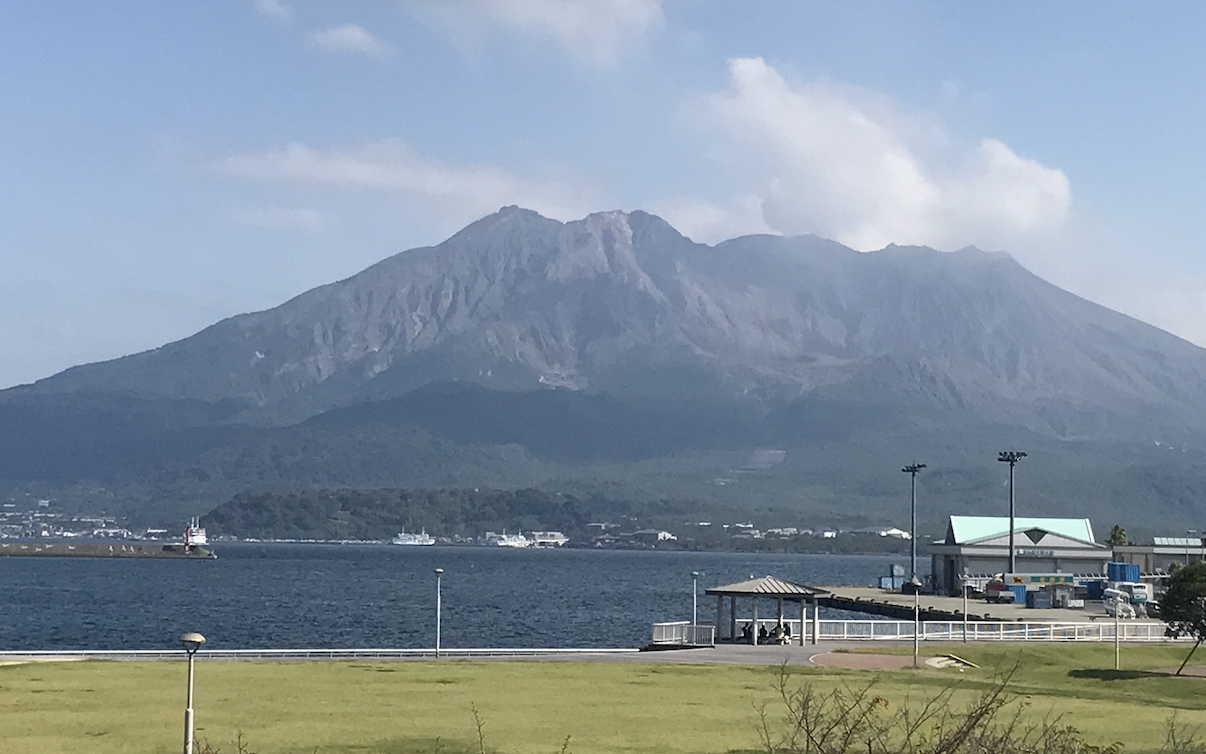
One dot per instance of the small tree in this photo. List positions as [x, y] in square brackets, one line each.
[1183, 606]
[1117, 536]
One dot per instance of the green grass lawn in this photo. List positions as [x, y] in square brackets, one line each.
[528, 706]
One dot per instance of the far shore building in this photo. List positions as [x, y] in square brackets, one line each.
[977, 547]
[1162, 554]
[652, 536]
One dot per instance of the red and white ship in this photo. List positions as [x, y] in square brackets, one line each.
[194, 534]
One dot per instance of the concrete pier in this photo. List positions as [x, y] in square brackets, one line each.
[874, 601]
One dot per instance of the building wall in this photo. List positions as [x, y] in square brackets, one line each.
[1152, 559]
[948, 567]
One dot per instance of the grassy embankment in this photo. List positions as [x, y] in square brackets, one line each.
[407, 707]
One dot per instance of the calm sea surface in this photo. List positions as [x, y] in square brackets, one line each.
[344, 596]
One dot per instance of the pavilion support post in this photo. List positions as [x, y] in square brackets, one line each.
[803, 615]
[780, 611]
[733, 617]
[816, 622]
[754, 633]
[719, 613]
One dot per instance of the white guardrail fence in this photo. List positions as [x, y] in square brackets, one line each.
[682, 632]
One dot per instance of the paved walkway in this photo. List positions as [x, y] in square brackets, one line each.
[721, 654]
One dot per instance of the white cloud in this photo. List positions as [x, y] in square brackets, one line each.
[846, 165]
[707, 222]
[300, 218]
[1178, 306]
[458, 193]
[595, 32]
[349, 38]
[274, 9]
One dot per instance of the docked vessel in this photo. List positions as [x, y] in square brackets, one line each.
[547, 539]
[422, 538]
[507, 540]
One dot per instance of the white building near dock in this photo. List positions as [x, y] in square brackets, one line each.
[979, 545]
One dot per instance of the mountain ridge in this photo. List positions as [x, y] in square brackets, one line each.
[516, 300]
[526, 349]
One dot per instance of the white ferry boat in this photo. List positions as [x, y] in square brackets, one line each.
[422, 538]
[507, 540]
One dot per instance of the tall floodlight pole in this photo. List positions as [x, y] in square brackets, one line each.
[439, 572]
[912, 470]
[1011, 457]
[191, 642]
[694, 598]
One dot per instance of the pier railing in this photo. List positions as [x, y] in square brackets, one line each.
[948, 631]
[684, 633]
[891, 630]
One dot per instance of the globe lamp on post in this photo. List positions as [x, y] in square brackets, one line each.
[191, 642]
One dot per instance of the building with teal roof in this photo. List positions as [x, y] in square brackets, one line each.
[978, 546]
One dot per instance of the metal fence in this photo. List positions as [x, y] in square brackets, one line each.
[684, 633]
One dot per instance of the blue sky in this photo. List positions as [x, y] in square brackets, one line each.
[165, 165]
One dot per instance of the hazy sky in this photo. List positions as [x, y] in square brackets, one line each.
[167, 164]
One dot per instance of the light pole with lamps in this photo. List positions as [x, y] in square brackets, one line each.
[1011, 457]
[439, 572]
[912, 470]
[191, 642]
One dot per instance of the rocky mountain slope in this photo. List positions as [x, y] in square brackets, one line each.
[623, 304]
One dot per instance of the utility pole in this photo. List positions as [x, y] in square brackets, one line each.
[1011, 457]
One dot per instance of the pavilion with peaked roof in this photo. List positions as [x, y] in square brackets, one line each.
[979, 545]
[761, 588]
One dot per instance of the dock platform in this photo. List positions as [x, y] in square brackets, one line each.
[875, 601]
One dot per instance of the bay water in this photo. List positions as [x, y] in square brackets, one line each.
[292, 596]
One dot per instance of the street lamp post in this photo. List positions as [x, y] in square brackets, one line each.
[694, 599]
[191, 642]
[916, 625]
[912, 470]
[1011, 457]
[1117, 635]
[439, 572]
[965, 611]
